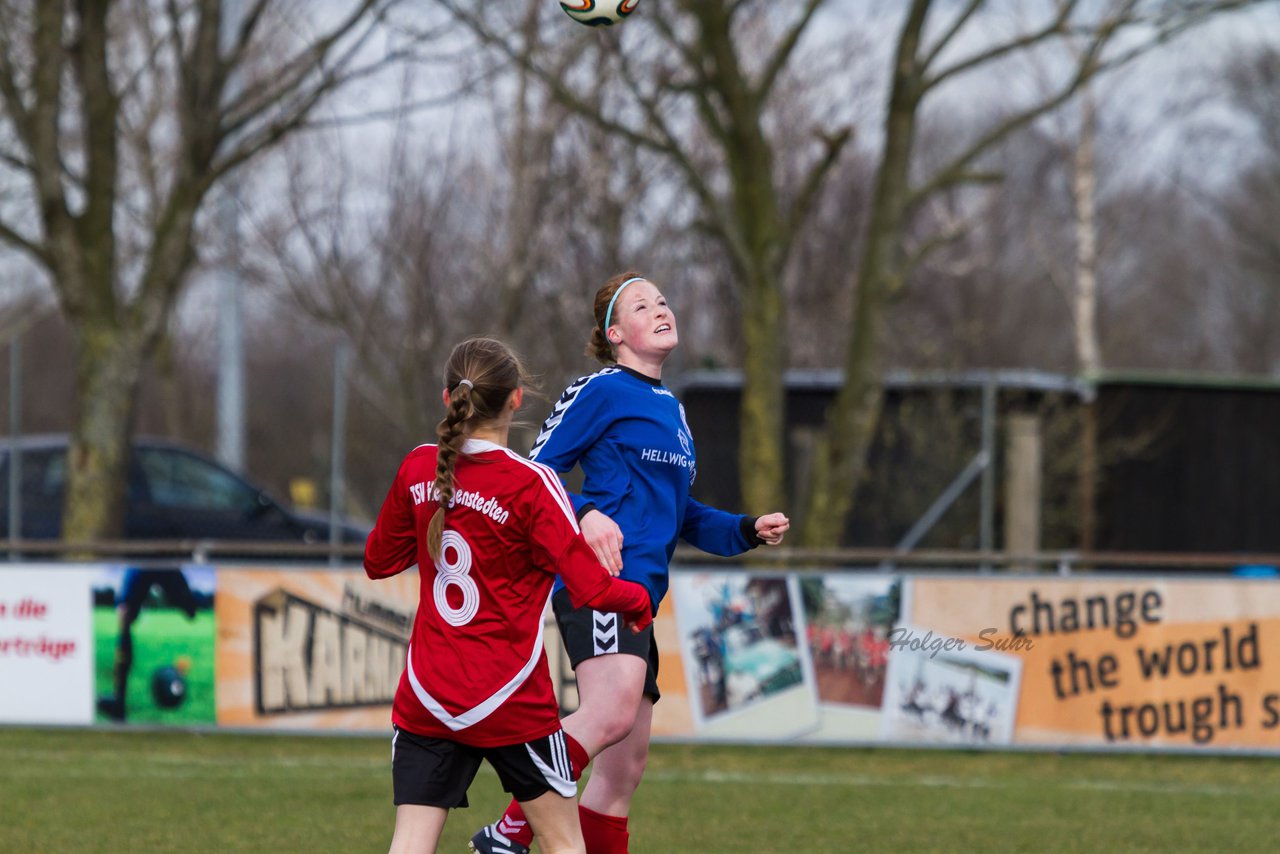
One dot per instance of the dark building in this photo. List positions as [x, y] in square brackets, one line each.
[1186, 464]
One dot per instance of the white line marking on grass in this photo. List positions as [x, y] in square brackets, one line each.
[935, 781]
[28, 762]
[266, 760]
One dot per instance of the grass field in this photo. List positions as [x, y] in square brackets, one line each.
[120, 790]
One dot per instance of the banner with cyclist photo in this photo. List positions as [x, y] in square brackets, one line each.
[311, 649]
[848, 622]
[746, 669]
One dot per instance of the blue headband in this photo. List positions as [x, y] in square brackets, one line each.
[608, 315]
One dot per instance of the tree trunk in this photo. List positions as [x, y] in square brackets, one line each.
[126, 114]
[1088, 475]
[839, 460]
[841, 457]
[1088, 352]
[763, 403]
[109, 364]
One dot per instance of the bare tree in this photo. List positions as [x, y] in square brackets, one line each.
[118, 119]
[1250, 206]
[498, 233]
[698, 88]
[928, 57]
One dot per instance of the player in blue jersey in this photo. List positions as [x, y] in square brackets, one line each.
[630, 437]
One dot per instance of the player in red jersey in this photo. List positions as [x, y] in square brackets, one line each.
[489, 530]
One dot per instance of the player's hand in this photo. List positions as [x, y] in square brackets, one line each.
[638, 620]
[770, 528]
[605, 538]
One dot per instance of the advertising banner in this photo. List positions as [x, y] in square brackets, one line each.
[744, 655]
[154, 633]
[311, 649]
[847, 621]
[46, 648]
[1095, 662]
[1099, 662]
[745, 671]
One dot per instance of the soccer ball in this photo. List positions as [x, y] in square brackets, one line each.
[598, 13]
[169, 684]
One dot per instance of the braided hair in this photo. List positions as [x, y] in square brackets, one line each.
[480, 376]
[598, 346]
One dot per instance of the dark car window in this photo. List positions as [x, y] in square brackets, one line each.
[43, 473]
[176, 479]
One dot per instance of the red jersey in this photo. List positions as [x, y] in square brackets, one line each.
[476, 670]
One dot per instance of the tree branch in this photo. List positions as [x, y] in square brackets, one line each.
[782, 55]
[175, 30]
[99, 112]
[921, 253]
[700, 85]
[248, 25]
[37, 252]
[46, 98]
[290, 75]
[14, 162]
[291, 117]
[808, 193]
[10, 96]
[1057, 26]
[670, 148]
[956, 25]
[563, 94]
[955, 171]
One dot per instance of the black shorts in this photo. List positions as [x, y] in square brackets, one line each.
[588, 634]
[437, 772]
[136, 586]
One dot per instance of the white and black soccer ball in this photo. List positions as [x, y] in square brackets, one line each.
[598, 13]
[168, 687]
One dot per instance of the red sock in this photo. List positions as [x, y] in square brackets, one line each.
[604, 834]
[578, 756]
[515, 826]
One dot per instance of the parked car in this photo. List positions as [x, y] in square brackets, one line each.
[173, 493]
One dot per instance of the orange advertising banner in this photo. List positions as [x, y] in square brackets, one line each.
[311, 649]
[1106, 662]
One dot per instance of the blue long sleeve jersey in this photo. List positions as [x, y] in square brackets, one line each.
[630, 436]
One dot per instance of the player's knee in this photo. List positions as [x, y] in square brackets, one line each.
[615, 726]
[630, 772]
[640, 755]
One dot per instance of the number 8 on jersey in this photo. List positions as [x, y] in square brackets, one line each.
[454, 570]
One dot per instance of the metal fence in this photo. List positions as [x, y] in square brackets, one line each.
[850, 559]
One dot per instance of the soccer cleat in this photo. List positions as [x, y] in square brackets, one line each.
[111, 708]
[489, 841]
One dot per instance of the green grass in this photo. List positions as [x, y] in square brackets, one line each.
[155, 790]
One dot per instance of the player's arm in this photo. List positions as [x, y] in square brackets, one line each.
[578, 420]
[392, 546]
[590, 585]
[721, 533]
[559, 549]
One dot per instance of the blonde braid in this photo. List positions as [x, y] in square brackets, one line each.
[480, 376]
[452, 433]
